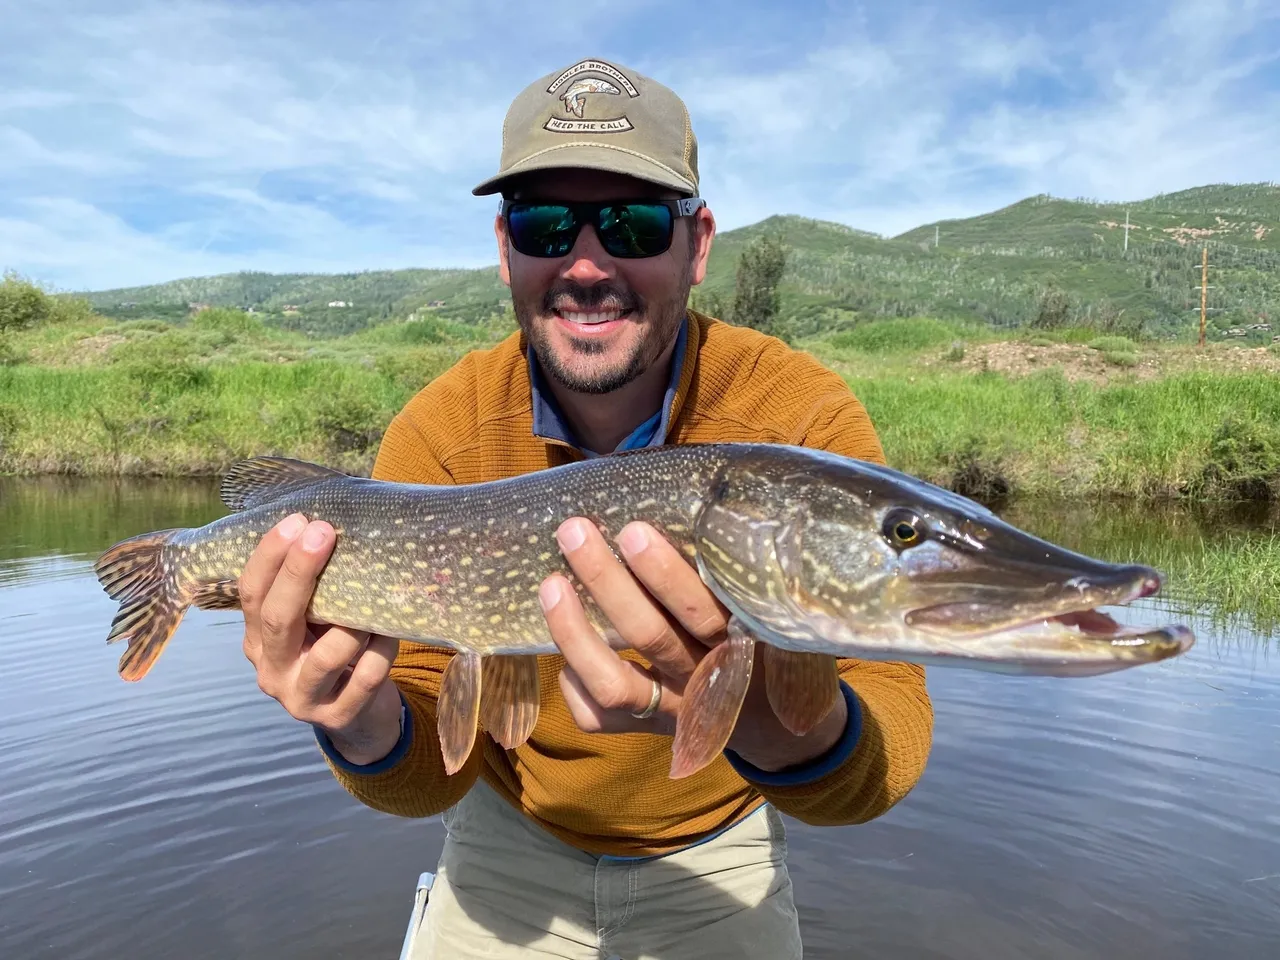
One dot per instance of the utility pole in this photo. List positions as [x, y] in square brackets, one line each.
[935, 236]
[1126, 231]
[1204, 289]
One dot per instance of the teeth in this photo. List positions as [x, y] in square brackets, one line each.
[590, 318]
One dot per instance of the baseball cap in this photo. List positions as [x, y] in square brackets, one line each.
[601, 116]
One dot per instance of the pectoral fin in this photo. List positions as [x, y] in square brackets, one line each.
[509, 707]
[712, 700]
[802, 687]
[459, 709]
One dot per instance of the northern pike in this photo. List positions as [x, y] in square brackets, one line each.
[815, 555]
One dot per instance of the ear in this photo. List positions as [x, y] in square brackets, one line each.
[705, 225]
[504, 249]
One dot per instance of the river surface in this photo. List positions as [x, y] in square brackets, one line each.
[1131, 815]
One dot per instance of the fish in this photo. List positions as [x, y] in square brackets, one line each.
[814, 555]
[575, 97]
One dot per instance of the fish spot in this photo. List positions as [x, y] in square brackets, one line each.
[488, 572]
[521, 509]
[533, 538]
[483, 588]
[354, 584]
[454, 531]
[513, 607]
[498, 554]
[474, 632]
[455, 608]
[431, 588]
[374, 533]
[465, 562]
[366, 610]
[752, 578]
[421, 622]
[446, 572]
[381, 601]
[690, 550]
[410, 545]
[399, 520]
[513, 573]
[421, 564]
[379, 566]
[544, 556]
[340, 604]
[496, 618]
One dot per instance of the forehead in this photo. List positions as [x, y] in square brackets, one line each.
[581, 184]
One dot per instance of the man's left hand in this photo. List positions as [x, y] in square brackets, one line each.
[658, 606]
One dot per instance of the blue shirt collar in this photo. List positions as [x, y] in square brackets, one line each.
[549, 423]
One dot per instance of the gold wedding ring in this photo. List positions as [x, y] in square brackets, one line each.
[652, 708]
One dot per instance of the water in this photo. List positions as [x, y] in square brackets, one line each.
[1131, 815]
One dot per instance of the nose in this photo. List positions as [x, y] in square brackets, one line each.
[588, 263]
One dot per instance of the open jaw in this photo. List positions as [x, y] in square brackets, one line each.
[1078, 643]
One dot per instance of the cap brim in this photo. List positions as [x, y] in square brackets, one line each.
[590, 156]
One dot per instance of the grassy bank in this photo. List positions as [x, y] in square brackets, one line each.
[92, 397]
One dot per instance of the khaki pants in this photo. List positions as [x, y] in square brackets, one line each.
[506, 888]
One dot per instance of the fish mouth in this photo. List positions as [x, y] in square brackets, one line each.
[1080, 640]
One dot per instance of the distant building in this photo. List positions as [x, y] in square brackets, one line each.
[339, 303]
[435, 303]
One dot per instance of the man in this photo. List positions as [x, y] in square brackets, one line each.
[577, 844]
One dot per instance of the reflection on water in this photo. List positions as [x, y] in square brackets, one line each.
[1130, 815]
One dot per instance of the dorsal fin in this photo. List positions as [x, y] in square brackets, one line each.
[260, 480]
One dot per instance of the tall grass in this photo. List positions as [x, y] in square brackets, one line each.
[1041, 434]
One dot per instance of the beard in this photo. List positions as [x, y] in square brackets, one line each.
[657, 330]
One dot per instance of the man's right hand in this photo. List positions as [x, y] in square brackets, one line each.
[337, 679]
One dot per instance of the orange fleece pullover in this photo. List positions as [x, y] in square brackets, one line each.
[609, 794]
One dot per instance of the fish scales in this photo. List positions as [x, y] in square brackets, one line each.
[458, 565]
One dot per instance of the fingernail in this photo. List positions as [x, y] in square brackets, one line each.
[632, 540]
[549, 594]
[570, 536]
[291, 526]
[315, 537]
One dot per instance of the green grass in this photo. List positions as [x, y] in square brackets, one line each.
[165, 407]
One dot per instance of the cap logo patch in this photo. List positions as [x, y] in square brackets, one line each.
[574, 97]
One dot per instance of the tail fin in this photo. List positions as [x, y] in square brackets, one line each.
[152, 603]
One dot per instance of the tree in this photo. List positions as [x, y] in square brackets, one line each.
[756, 299]
[22, 304]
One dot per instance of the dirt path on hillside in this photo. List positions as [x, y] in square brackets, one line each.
[1079, 362]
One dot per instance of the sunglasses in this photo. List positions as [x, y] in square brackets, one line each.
[628, 229]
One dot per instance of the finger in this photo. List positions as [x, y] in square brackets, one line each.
[282, 620]
[609, 681]
[259, 571]
[593, 718]
[638, 618]
[325, 663]
[371, 670]
[672, 581]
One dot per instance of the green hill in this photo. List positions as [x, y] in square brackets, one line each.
[1040, 261]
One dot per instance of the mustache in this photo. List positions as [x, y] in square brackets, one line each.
[596, 298]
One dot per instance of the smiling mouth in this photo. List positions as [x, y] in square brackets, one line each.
[593, 318]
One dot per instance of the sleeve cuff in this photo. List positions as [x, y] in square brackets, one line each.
[378, 766]
[819, 766]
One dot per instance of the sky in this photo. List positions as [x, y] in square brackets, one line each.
[146, 141]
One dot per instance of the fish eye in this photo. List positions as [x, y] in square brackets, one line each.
[903, 529]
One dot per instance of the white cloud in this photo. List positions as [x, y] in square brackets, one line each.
[155, 140]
